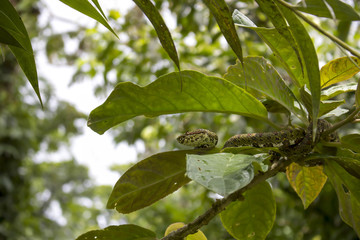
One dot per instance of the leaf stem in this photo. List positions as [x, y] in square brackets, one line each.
[318, 28]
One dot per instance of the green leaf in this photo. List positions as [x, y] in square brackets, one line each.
[335, 113]
[199, 235]
[335, 90]
[27, 63]
[85, 7]
[241, 20]
[349, 160]
[150, 180]
[343, 30]
[327, 106]
[306, 98]
[288, 55]
[12, 24]
[13, 27]
[7, 38]
[263, 77]
[96, 3]
[253, 217]
[163, 96]
[274, 107]
[222, 14]
[347, 189]
[277, 18]
[351, 141]
[308, 57]
[341, 10]
[222, 173]
[338, 70]
[160, 27]
[121, 232]
[299, 39]
[306, 181]
[357, 96]
[346, 158]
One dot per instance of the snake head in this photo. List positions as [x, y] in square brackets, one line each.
[200, 138]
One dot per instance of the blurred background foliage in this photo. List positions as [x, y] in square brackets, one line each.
[50, 199]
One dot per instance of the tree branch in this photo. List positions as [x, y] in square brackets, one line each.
[318, 28]
[221, 204]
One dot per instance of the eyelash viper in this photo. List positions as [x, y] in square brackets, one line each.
[203, 138]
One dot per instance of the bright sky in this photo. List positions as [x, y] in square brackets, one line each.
[98, 152]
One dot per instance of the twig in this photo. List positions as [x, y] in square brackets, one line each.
[347, 120]
[221, 204]
[318, 28]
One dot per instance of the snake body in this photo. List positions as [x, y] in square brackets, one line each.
[203, 138]
[268, 139]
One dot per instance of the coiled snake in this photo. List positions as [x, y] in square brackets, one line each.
[203, 138]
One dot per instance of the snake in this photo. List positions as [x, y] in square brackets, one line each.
[203, 138]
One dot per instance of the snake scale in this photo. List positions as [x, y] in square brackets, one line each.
[203, 138]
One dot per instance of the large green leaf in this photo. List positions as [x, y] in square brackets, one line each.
[341, 10]
[222, 14]
[346, 158]
[327, 106]
[85, 7]
[260, 75]
[14, 33]
[160, 27]
[308, 57]
[335, 90]
[121, 232]
[222, 173]
[277, 18]
[337, 112]
[7, 38]
[306, 98]
[351, 141]
[287, 54]
[150, 180]
[12, 27]
[306, 181]
[27, 63]
[299, 39]
[338, 70]
[347, 189]
[349, 160]
[253, 217]
[164, 96]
